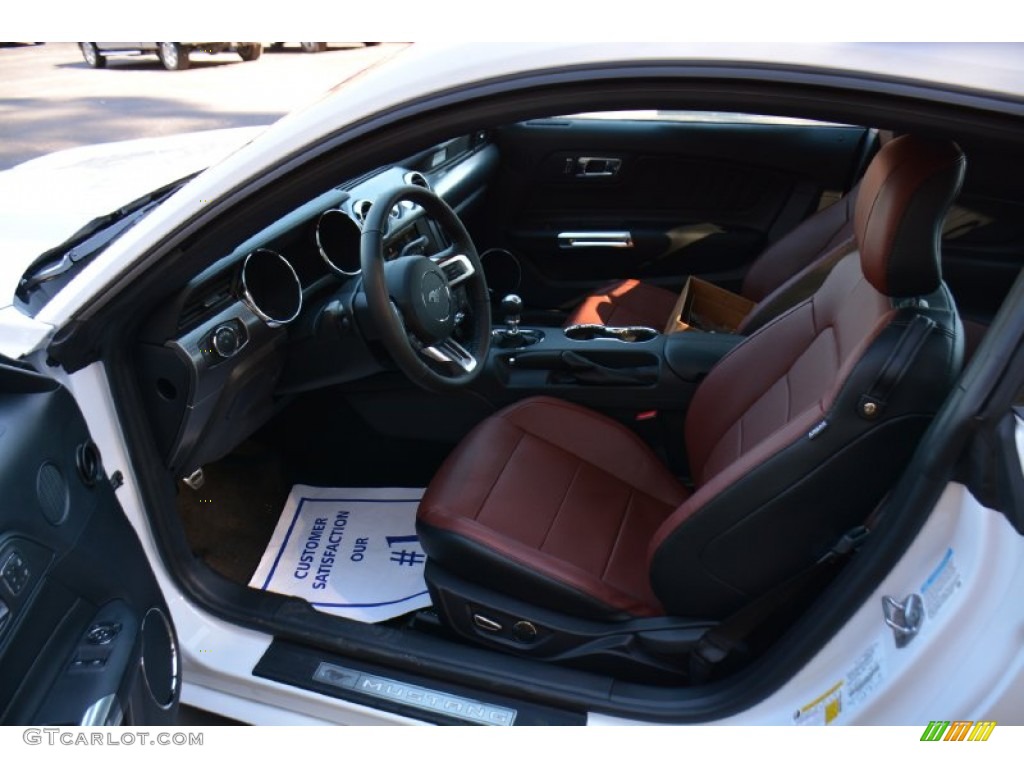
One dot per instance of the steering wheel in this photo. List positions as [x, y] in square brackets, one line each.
[416, 301]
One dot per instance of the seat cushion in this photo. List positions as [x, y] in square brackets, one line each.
[628, 302]
[557, 504]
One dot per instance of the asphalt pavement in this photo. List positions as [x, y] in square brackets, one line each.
[50, 99]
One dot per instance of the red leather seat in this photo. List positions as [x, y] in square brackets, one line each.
[793, 438]
[632, 302]
[561, 492]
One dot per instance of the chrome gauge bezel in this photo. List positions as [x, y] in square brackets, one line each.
[323, 250]
[289, 279]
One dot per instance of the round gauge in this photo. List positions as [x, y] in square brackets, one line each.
[270, 287]
[337, 237]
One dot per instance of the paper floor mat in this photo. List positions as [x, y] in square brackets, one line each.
[351, 552]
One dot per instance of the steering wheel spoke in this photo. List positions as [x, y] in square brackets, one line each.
[457, 267]
[450, 351]
[444, 254]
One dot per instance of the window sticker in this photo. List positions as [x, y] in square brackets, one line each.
[823, 710]
[866, 676]
[941, 584]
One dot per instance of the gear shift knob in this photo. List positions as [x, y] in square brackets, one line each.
[512, 306]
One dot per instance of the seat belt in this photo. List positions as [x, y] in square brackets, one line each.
[872, 404]
[726, 637]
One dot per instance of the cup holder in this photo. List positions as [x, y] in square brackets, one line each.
[591, 331]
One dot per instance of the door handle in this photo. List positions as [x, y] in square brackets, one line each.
[105, 711]
[597, 167]
[595, 239]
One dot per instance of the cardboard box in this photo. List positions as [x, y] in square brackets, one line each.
[703, 306]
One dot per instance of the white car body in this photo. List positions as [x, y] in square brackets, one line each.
[966, 663]
[94, 180]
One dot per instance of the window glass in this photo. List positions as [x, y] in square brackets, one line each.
[694, 116]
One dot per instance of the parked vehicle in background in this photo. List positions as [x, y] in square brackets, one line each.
[309, 47]
[174, 56]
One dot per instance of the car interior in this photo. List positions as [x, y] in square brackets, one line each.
[625, 496]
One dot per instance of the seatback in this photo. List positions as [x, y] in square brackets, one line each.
[798, 433]
[813, 238]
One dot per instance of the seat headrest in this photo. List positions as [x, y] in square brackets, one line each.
[899, 213]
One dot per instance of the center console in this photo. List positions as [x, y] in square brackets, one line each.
[607, 367]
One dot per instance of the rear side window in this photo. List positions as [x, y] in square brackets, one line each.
[696, 116]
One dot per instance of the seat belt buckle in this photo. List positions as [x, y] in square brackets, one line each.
[705, 657]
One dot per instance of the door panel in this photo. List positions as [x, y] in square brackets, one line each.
[701, 198]
[84, 634]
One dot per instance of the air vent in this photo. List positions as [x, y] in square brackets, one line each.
[205, 301]
[361, 209]
[416, 179]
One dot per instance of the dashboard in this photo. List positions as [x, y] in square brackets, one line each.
[283, 312]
